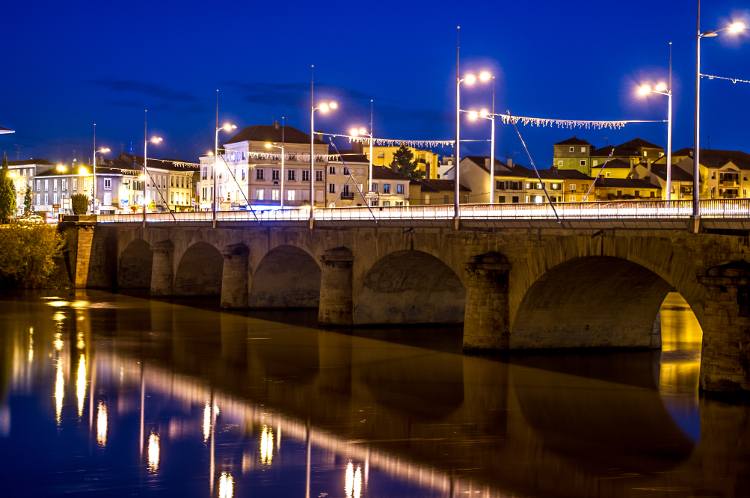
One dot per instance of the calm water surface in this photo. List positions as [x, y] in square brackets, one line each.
[111, 395]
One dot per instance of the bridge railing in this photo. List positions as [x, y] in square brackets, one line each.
[710, 208]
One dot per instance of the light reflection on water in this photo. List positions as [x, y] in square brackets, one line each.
[379, 417]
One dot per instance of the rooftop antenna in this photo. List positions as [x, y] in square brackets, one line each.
[606, 141]
[18, 153]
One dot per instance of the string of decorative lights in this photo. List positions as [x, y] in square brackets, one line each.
[733, 80]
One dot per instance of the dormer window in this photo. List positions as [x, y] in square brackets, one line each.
[583, 149]
[572, 149]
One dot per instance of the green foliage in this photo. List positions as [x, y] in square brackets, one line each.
[28, 255]
[80, 203]
[7, 196]
[404, 164]
[27, 202]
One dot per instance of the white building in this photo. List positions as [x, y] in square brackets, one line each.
[22, 174]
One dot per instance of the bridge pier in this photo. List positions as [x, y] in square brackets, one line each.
[234, 285]
[726, 334]
[162, 269]
[336, 301]
[486, 320]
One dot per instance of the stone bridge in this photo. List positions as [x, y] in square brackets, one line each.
[512, 288]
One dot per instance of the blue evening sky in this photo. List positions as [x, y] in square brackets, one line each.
[67, 65]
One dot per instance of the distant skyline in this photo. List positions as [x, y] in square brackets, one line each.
[67, 67]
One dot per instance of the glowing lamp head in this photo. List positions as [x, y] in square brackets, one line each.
[156, 140]
[61, 168]
[228, 127]
[354, 132]
[644, 90]
[484, 113]
[473, 115]
[470, 79]
[333, 105]
[484, 76]
[268, 146]
[104, 150]
[324, 107]
[737, 27]
[362, 131]
[142, 177]
[82, 171]
[661, 87]
[209, 153]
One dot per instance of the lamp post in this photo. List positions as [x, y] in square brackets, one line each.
[94, 167]
[663, 89]
[735, 28]
[226, 127]
[154, 140]
[322, 108]
[469, 79]
[363, 132]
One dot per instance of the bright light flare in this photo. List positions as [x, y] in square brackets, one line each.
[661, 87]
[644, 90]
[59, 390]
[226, 485]
[206, 422]
[104, 150]
[736, 27]
[81, 384]
[333, 105]
[324, 107]
[266, 446]
[61, 168]
[473, 115]
[483, 113]
[362, 131]
[156, 140]
[101, 425]
[83, 171]
[268, 146]
[484, 75]
[228, 127]
[153, 453]
[470, 79]
[354, 132]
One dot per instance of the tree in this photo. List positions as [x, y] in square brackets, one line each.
[27, 202]
[80, 204]
[7, 197]
[404, 164]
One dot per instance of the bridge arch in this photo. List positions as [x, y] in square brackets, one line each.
[135, 266]
[200, 271]
[591, 301]
[286, 277]
[411, 287]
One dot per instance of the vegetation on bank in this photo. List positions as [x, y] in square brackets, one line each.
[31, 257]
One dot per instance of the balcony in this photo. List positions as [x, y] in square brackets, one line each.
[348, 196]
[729, 183]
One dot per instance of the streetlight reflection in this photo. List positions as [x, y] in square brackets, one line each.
[81, 383]
[153, 453]
[353, 481]
[226, 485]
[59, 389]
[206, 422]
[266, 446]
[101, 425]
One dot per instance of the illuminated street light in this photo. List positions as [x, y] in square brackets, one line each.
[735, 27]
[363, 133]
[154, 140]
[61, 168]
[474, 115]
[225, 127]
[324, 107]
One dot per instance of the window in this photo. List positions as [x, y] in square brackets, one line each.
[258, 173]
[555, 186]
[539, 186]
[54, 184]
[386, 188]
[260, 194]
[745, 177]
[607, 174]
[290, 175]
[572, 149]
[559, 164]
[85, 184]
[400, 188]
[346, 170]
[75, 183]
[399, 203]
[318, 176]
[46, 186]
[332, 170]
[573, 187]
[107, 184]
[515, 199]
[64, 183]
[572, 198]
[499, 185]
[171, 198]
[274, 174]
[291, 195]
[331, 188]
[171, 181]
[360, 171]
[583, 149]
[243, 174]
[305, 175]
[275, 194]
[637, 193]
[54, 198]
[528, 185]
[501, 199]
[645, 153]
[427, 198]
[386, 203]
[37, 199]
[38, 186]
[374, 187]
[46, 198]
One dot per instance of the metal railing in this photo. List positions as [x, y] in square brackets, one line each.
[678, 209]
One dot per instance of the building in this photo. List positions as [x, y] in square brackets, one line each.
[343, 189]
[610, 189]
[389, 188]
[513, 183]
[614, 168]
[723, 173]
[576, 153]
[573, 153]
[428, 161]
[435, 192]
[22, 175]
[682, 181]
[576, 186]
[250, 172]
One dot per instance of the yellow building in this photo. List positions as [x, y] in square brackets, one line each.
[383, 156]
[615, 168]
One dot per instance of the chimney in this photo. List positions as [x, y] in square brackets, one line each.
[648, 162]
[510, 163]
[554, 169]
[427, 169]
[319, 135]
[275, 125]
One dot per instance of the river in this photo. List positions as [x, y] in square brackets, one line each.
[107, 394]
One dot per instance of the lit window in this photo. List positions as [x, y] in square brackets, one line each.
[275, 194]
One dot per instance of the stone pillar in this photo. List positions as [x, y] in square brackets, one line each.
[656, 332]
[234, 281]
[83, 254]
[162, 269]
[726, 331]
[486, 320]
[336, 306]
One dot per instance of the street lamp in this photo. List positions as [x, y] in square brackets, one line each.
[734, 28]
[322, 108]
[154, 140]
[226, 127]
[485, 114]
[277, 146]
[663, 89]
[469, 79]
[363, 132]
[100, 151]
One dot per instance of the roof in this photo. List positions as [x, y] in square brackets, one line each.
[638, 143]
[125, 161]
[501, 169]
[716, 158]
[270, 133]
[678, 174]
[29, 161]
[573, 141]
[619, 151]
[613, 163]
[349, 156]
[625, 183]
[572, 174]
[440, 186]
[385, 173]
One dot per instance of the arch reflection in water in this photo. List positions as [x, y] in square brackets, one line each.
[153, 453]
[266, 446]
[81, 384]
[59, 390]
[101, 425]
[226, 485]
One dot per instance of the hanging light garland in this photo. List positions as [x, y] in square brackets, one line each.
[733, 80]
[571, 123]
